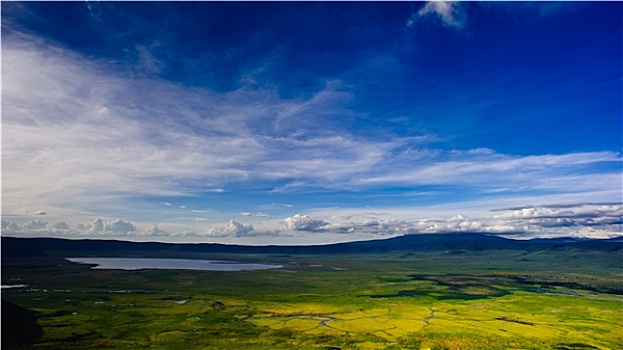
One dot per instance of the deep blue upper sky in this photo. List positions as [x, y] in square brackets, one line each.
[272, 109]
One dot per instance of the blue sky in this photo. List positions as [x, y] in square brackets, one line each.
[311, 122]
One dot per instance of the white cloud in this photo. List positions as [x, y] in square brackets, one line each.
[36, 228]
[449, 12]
[21, 211]
[120, 227]
[583, 213]
[586, 220]
[233, 228]
[589, 221]
[147, 61]
[582, 220]
[326, 160]
[115, 227]
[82, 137]
[492, 171]
[590, 232]
[303, 223]
[59, 226]
[257, 215]
[96, 226]
[33, 225]
[452, 13]
[78, 134]
[154, 231]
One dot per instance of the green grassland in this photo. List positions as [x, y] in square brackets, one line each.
[492, 299]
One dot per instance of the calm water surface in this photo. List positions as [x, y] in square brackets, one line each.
[169, 264]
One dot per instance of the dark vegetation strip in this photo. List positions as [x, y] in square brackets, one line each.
[506, 319]
[571, 285]
[12, 246]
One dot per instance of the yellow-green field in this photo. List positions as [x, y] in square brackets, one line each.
[425, 301]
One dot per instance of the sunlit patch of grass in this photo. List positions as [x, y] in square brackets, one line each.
[474, 290]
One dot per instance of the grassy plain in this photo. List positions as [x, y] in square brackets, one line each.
[493, 299]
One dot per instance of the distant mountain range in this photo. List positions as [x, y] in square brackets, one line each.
[16, 247]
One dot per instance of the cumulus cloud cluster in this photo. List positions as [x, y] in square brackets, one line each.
[575, 220]
[304, 223]
[593, 221]
[117, 227]
[233, 228]
[586, 220]
[97, 227]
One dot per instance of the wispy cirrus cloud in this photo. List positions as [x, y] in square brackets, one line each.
[488, 170]
[76, 131]
[81, 136]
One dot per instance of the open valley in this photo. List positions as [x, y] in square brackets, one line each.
[564, 298]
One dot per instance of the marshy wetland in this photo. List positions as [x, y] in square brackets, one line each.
[558, 299]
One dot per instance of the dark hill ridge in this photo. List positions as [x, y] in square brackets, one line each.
[12, 246]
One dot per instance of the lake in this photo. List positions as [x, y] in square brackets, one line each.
[170, 264]
[9, 286]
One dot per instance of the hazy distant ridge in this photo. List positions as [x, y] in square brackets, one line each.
[12, 246]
